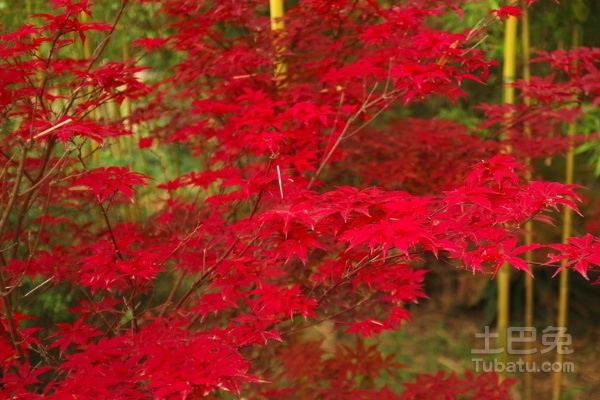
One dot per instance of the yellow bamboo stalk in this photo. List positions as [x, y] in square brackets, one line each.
[510, 60]
[277, 14]
[129, 142]
[95, 115]
[563, 291]
[528, 237]
[125, 110]
[503, 278]
[277, 23]
[126, 105]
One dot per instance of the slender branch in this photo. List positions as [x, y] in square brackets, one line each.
[95, 57]
[11, 160]
[181, 276]
[6, 295]
[198, 283]
[14, 194]
[317, 322]
[205, 275]
[8, 315]
[40, 181]
[4, 289]
[100, 49]
[110, 231]
[129, 302]
[368, 103]
[169, 300]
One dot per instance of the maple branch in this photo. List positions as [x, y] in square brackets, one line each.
[205, 275]
[50, 130]
[181, 243]
[7, 305]
[4, 289]
[32, 249]
[9, 317]
[30, 193]
[130, 302]
[39, 181]
[530, 113]
[197, 284]
[102, 46]
[331, 317]
[39, 99]
[110, 230]
[15, 191]
[181, 276]
[364, 125]
[95, 57]
[171, 295]
[11, 160]
[333, 148]
[344, 134]
[38, 286]
[109, 326]
[344, 279]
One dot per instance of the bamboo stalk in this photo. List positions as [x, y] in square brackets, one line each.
[277, 14]
[528, 237]
[503, 278]
[95, 115]
[129, 140]
[277, 23]
[563, 291]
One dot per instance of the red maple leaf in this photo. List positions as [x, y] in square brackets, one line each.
[503, 13]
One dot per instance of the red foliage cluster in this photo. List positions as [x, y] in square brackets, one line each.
[269, 235]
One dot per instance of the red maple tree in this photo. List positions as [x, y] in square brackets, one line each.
[278, 227]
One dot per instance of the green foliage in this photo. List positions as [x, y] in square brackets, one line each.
[589, 125]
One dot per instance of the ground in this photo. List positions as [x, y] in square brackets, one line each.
[441, 335]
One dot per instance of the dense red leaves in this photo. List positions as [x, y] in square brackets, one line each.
[280, 302]
[579, 253]
[349, 371]
[72, 7]
[145, 143]
[79, 335]
[275, 227]
[105, 182]
[367, 327]
[472, 386]
[503, 13]
[167, 362]
[400, 156]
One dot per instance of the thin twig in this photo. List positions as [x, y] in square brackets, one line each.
[51, 129]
